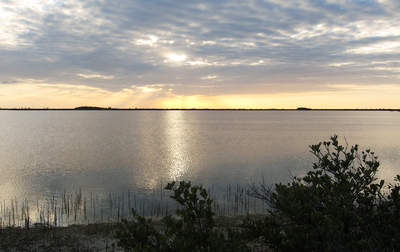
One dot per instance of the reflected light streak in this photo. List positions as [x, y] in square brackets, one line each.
[177, 146]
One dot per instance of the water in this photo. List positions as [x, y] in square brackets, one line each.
[48, 152]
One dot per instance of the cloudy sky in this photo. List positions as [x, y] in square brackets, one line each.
[216, 54]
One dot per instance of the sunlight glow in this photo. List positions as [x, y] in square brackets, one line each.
[351, 96]
[175, 57]
[36, 94]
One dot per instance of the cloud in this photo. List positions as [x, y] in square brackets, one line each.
[9, 82]
[209, 77]
[259, 46]
[376, 48]
[96, 76]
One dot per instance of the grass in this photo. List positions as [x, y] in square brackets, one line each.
[86, 221]
[80, 207]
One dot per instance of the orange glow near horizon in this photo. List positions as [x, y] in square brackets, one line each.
[68, 96]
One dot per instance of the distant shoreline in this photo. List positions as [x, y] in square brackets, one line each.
[184, 109]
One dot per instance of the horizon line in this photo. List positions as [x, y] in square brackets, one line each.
[88, 108]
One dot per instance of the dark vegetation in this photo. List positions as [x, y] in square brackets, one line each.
[192, 229]
[90, 108]
[303, 108]
[92, 237]
[340, 205]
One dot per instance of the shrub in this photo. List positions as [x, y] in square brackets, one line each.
[338, 206]
[139, 234]
[193, 228]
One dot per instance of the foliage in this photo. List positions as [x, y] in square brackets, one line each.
[139, 234]
[193, 228]
[338, 206]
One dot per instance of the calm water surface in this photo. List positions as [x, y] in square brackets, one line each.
[42, 152]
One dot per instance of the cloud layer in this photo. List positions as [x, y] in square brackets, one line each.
[227, 48]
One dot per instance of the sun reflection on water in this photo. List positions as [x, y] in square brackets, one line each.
[177, 146]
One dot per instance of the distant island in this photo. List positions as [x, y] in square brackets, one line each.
[90, 108]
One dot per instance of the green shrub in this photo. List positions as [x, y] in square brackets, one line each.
[193, 228]
[338, 206]
[139, 234]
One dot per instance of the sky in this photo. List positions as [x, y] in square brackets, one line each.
[200, 54]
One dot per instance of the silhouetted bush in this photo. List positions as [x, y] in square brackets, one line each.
[193, 228]
[338, 206]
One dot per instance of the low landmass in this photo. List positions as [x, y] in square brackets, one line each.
[90, 108]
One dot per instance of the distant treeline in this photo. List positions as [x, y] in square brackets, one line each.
[90, 108]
